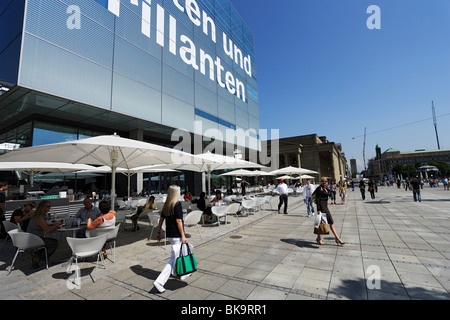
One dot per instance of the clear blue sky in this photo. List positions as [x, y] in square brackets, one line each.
[321, 70]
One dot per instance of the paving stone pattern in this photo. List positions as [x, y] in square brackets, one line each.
[395, 248]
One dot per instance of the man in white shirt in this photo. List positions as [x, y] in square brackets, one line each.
[308, 190]
[282, 190]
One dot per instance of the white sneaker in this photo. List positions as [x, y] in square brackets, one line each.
[182, 278]
[159, 287]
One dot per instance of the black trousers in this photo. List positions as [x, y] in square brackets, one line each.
[283, 198]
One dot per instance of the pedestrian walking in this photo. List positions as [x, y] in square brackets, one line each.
[282, 190]
[362, 189]
[308, 190]
[333, 188]
[172, 214]
[445, 182]
[322, 193]
[342, 192]
[372, 188]
[415, 183]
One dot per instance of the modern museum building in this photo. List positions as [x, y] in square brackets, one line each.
[144, 69]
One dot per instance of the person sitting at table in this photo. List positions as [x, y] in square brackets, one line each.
[39, 227]
[107, 217]
[21, 215]
[201, 204]
[208, 211]
[88, 211]
[84, 213]
[187, 196]
[150, 205]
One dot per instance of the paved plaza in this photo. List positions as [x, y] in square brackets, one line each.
[395, 248]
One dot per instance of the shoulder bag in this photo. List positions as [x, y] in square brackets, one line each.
[186, 264]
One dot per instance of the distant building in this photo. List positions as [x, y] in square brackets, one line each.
[353, 167]
[383, 164]
[314, 153]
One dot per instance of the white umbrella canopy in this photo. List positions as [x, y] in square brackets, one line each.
[239, 173]
[207, 162]
[112, 151]
[33, 168]
[257, 173]
[130, 172]
[285, 177]
[293, 170]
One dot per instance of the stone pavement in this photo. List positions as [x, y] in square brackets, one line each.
[395, 248]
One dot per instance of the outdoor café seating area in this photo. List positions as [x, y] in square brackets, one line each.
[84, 255]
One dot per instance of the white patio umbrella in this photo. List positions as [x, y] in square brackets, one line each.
[112, 151]
[285, 177]
[33, 168]
[239, 173]
[257, 173]
[208, 162]
[130, 172]
[292, 170]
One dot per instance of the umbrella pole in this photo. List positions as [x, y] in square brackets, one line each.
[113, 186]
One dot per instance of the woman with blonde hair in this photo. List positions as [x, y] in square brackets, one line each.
[172, 214]
[322, 193]
[39, 227]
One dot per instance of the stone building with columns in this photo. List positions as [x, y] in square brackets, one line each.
[314, 153]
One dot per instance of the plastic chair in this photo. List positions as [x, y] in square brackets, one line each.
[248, 205]
[268, 200]
[87, 247]
[220, 212]
[121, 215]
[122, 204]
[154, 221]
[233, 208]
[186, 206]
[9, 226]
[25, 241]
[112, 236]
[142, 202]
[193, 218]
[259, 203]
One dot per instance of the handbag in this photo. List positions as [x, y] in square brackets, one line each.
[320, 226]
[186, 264]
[322, 229]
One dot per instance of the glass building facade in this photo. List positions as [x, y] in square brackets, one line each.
[140, 68]
[120, 66]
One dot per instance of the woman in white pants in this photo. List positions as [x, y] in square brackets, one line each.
[172, 213]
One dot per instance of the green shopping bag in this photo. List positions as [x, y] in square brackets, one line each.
[186, 264]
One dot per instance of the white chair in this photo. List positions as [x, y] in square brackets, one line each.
[248, 205]
[9, 226]
[159, 205]
[233, 208]
[220, 212]
[121, 216]
[259, 203]
[186, 206]
[112, 236]
[25, 241]
[122, 204]
[193, 218]
[268, 200]
[154, 222]
[87, 247]
[142, 202]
